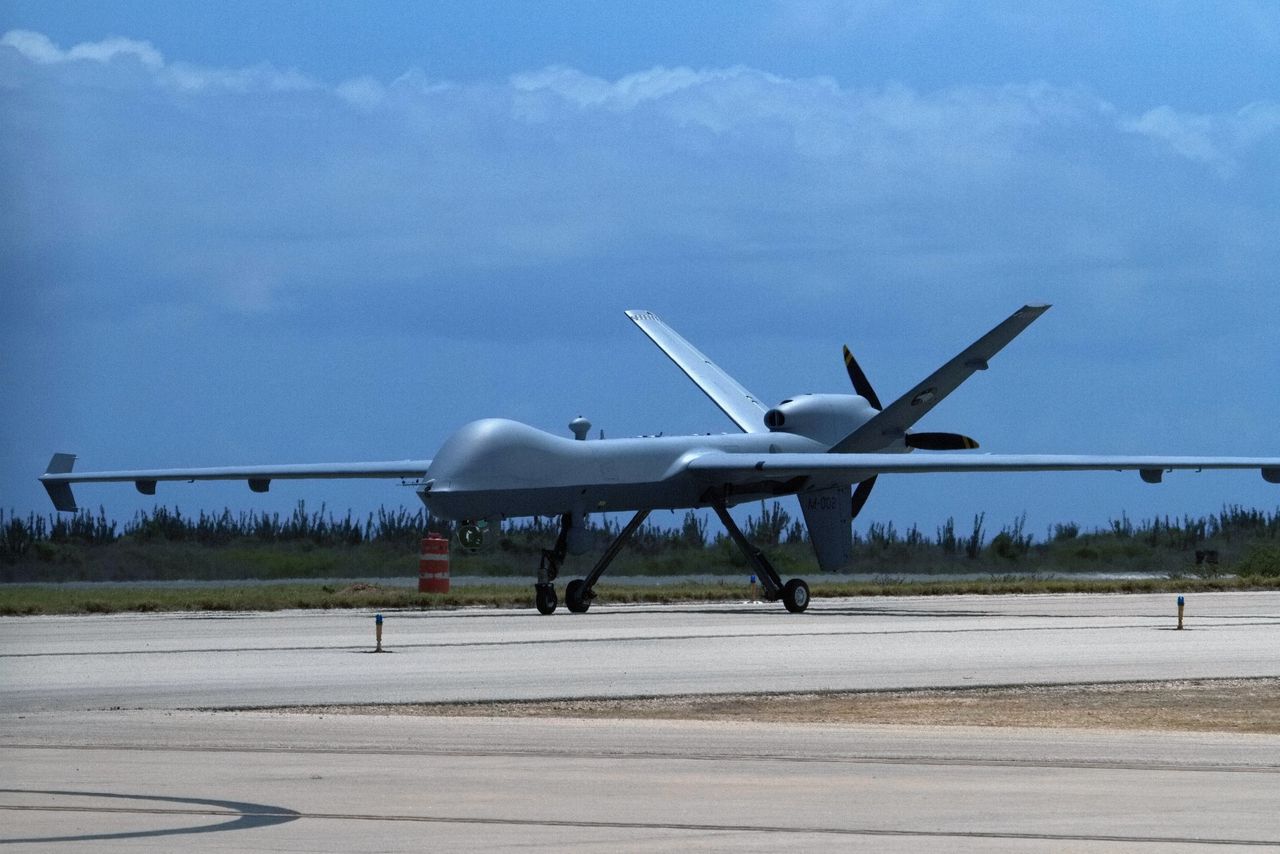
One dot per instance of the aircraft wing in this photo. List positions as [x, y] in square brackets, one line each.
[896, 418]
[58, 478]
[748, 468]
[743, 407]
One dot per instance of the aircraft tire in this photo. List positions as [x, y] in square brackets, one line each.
[471, 537]
[795, 595]
[575, 596]
[544, 599]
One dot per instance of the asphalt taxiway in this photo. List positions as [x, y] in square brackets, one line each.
[99, 741]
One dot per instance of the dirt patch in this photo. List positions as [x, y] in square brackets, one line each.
[1209, 705]
[361, 587]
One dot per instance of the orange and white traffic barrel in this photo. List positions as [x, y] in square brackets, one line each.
[433, 565]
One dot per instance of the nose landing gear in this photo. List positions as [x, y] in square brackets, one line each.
[544, 598]
[544, 591]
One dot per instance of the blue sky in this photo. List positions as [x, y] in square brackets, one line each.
[290, 232]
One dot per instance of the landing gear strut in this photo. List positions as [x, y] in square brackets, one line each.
[794, 594]
[579, 593]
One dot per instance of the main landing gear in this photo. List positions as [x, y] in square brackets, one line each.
[579, 592]
[794, 594]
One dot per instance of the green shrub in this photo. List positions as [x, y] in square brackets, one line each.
[1260, 562]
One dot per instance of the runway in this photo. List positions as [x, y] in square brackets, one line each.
[166, 661]
[95, 745]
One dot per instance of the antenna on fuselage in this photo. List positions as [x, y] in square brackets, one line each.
[580, 427]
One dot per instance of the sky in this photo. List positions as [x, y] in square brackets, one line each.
[252, 232]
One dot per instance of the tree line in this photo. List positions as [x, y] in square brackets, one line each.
[399, 528]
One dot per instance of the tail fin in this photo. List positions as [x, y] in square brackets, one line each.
[829, 517]
[60, 490]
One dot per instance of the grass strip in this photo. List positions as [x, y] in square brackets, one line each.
[33, 599]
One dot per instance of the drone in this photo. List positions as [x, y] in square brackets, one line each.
[826, 449]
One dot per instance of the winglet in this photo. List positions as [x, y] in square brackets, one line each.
[59, 490]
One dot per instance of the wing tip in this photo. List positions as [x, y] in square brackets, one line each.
[61, 463]
[60, 490]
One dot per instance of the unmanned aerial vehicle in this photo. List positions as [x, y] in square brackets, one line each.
[826, 449]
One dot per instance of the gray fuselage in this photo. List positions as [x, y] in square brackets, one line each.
[495, 468]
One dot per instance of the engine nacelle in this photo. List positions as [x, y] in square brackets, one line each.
[825, 418]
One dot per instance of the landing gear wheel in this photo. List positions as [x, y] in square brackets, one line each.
[575, 596]
[471, 537]
[795, 595]
[544, 598]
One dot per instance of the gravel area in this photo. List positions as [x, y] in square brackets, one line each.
[1207, 705]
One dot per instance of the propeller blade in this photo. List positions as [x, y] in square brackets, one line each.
[940, 442]
[861, 493]
[860, 382]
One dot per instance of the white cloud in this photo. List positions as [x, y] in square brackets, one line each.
[110, 49]
[821, 118]
[179, 76]
[37, 47]
[34, 46]
[1193, 137]
[361, 92]
[624, 94]
[327, 187]
[261, 78]
[1217, 139]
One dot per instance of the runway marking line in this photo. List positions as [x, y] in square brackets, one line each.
[676, 826]
[244, 816]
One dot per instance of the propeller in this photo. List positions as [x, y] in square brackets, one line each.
[861, 493]
[923, 441]
[861, 384]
